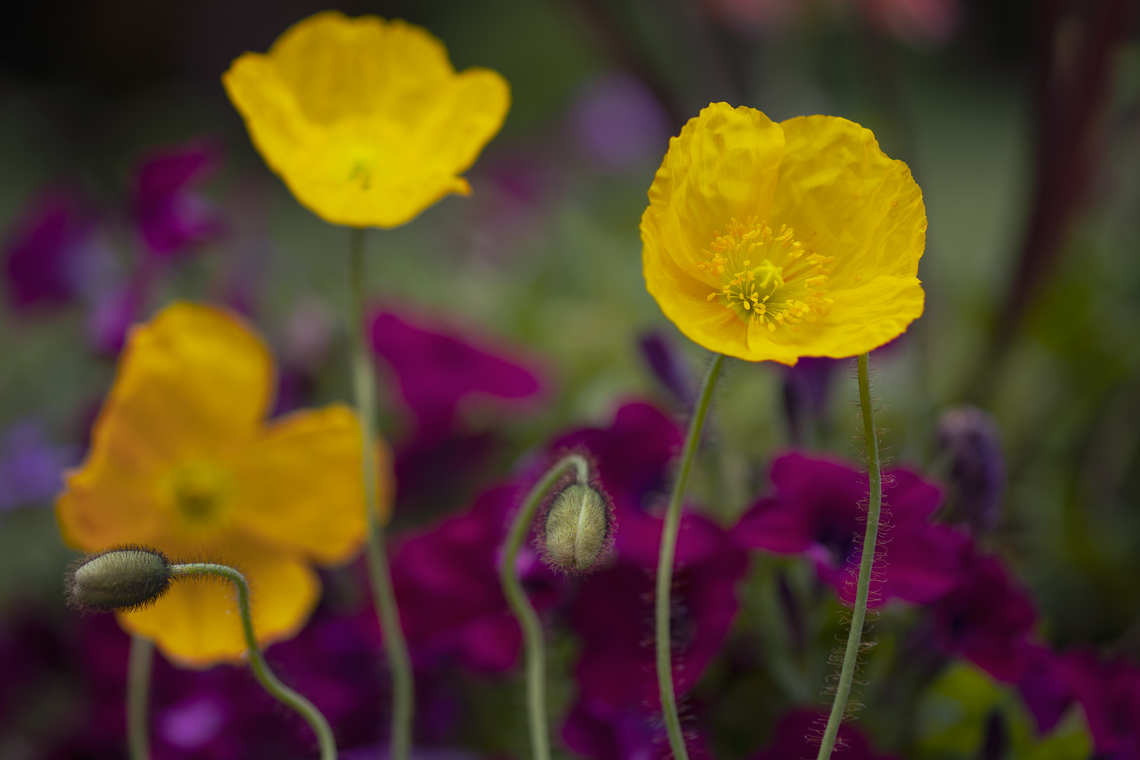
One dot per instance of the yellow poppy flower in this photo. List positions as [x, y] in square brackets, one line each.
[776, 241]
[183, 460]
[364, 119]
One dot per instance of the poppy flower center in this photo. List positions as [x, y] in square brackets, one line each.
[201, 493]
[765, 276]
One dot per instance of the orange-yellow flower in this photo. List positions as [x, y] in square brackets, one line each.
[182, 459]
[364, 119]
[776, 241]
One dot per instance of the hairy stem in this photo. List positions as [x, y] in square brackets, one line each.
[859, 614]
[665, 563]
[384, 598]
[521, 606]
[265, 676]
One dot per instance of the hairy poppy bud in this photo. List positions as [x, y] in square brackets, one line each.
[123, 578]
[577, 528]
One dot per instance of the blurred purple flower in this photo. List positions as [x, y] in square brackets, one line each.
[806, 386]
[816, 509]
[669, 366]
[988, 619]
[170, 216]
[617, 712]
[31, 467]
[1109, 692]
[619, 124]
[437, 368]
[1044, 685]
[447, 584]
[798, 733]
[977, 467]
[43, 252]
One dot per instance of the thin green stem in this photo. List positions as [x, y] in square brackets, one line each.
[665, 563]
[384, 598]
[521, 606]
[265, 676]
[859, 614]
[138, 697]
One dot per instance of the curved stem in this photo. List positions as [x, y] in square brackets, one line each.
[138, 697]
[665, 563]
[521, 606]
[265, 676]
[859, 614]
[384, 597]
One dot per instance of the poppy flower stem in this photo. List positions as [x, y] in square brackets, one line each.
[257, 664]
[665, 563]
[364, 389]
[521, 606]
[138, 697]
[859, 613]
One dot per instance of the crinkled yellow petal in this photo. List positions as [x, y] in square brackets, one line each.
[684, 299]
[365, 120]
[301, 486]
[197, 622]
[724, 165]
[193, 382]
[847, 199]
[844, 198]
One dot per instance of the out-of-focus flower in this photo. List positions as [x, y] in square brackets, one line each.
[618, 704]
[816, 510]
[988, 619]
[618, 123]
[43, 254]
[669, 367]
[977, 467]
[364, 119]
[1044, 685]
[919, 23]
[181, 459]
[31, 467]
[778, 241]
[1109, 692]
[805, 393]
[797, 736]
[169, 215]
[437, 369]
[447, 584]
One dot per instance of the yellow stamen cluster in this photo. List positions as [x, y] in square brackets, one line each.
[749, 289]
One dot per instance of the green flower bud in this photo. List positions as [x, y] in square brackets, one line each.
[577, 528]
[124, 578]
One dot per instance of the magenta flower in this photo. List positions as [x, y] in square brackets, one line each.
[617, 712]
[815, 510]
[170, 216]
[437, 369]
[988, 619]
[44, 253]
[796, 737]
[447, 585]
[1109, 692]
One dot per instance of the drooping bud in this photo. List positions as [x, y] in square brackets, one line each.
[577, 528]
[122, 579]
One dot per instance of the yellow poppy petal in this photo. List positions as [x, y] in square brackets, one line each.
[828, 268]
[106, 503]
[724, 165]
[847, 199]
[301, 485]
[365, 120]
[197, 622]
